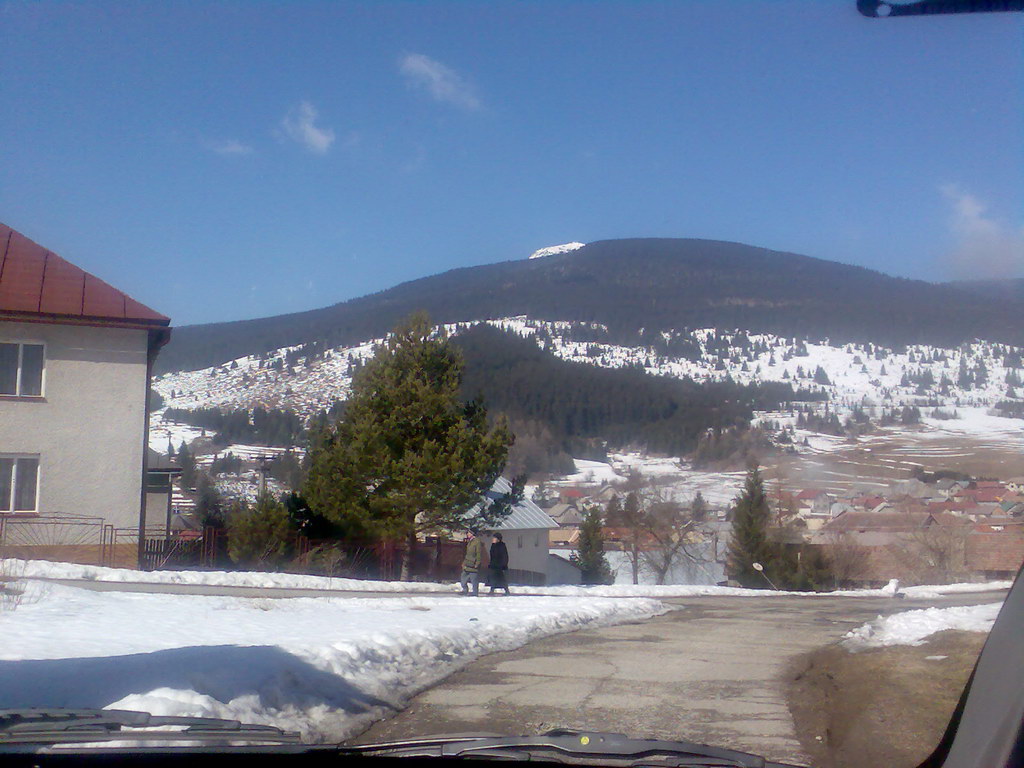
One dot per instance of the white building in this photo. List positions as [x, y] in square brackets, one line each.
[525, 532]
[75, 361]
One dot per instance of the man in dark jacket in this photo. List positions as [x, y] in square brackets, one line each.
[499, 564]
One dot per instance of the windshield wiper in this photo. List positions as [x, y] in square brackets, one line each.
[66, 726]
[569, 746]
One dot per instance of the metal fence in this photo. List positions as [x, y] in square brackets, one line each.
[64, 538]
[89, 541]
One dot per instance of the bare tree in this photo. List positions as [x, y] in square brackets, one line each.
[671, 533]
[628, 516]
[933, 551]
[847, 560]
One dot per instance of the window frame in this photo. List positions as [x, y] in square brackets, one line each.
[18, 385]
[9, 511]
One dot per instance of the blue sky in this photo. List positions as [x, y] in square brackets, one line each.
[228, 160]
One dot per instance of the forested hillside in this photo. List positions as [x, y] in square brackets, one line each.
[626, 406]
[643, 283]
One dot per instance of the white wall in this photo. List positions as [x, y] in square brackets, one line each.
[88, 427]
[533, 554]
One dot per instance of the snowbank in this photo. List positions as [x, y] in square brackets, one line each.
[49, 570]
[46, 569]
[699, 590]
[913, 627]
[325, 667]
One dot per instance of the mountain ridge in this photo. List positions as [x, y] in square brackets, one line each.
[628, 284]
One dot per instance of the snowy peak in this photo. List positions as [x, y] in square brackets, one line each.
[553, 250]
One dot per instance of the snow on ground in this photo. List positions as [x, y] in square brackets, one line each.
[162, 433]
[975, 422]
[589, 473]
[701, 590]
[648, 466]
[44, 569]
[47, 569]
[248, 453]
[324, 666]
[914, 627]
[676, 477]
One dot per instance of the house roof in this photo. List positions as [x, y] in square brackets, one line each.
[876, 521]
[525, 514]
[160, 462]
[809, 493]
[982, 495]
[38, 285]
[565, 514]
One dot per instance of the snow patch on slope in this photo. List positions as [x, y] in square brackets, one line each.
[553, 250]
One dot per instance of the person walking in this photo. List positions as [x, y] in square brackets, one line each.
[499, 565]
[471, 564]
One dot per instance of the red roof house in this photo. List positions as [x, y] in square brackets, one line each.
[76, 357]
[37, 285]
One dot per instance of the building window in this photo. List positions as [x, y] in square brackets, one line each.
[520, 539]
[536, 540]
[21, 369]
[19, 483]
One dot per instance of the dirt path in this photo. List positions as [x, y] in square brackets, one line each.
[713, 671]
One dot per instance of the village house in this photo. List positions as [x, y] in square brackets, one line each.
[526, 534]
[76, 356]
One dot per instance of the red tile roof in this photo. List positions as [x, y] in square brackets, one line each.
[36, 284]
[809, 493]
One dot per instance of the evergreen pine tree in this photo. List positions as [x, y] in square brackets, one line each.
[187, 462]
[589, 555]
[699, 508]
[750, 544]
[408, 456]
[259, 536]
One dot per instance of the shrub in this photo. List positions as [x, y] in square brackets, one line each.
[259, 537]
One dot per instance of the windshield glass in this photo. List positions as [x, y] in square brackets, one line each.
[380, 370]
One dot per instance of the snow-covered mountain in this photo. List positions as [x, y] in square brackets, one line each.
[852, 376]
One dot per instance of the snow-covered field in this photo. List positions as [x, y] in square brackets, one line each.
[914, 627]
[324, 666]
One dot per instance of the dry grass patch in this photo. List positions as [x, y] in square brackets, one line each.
[879, 707]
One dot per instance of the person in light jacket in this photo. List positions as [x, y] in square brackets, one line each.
[499, 565]
[471, 564]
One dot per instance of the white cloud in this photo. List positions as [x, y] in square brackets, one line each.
[300, 126]
[442, 83]
[228, 147]
[985, 247]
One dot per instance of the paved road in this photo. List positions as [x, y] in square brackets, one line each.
[710, 671]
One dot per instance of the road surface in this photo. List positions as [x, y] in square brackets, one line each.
[710, 671]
